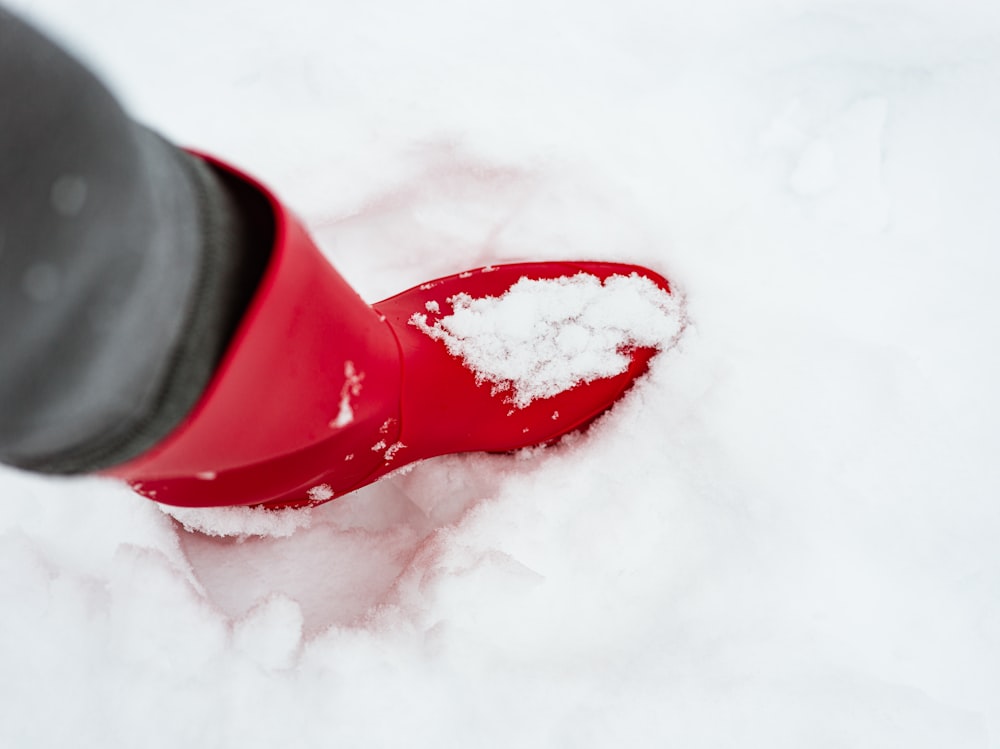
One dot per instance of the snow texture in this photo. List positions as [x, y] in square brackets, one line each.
[246, 521]
[542, 337]
[351, 389]
[784, 536]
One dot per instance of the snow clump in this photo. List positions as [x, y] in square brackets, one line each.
[544, 336]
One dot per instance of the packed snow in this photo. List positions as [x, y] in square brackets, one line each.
[542, 337]
[242, 522]
[786, 535]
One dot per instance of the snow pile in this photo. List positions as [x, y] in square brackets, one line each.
[786, 537]
[543, 336]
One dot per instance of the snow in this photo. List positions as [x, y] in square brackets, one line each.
[246, 521]
[544, 336]
[785, 536]
[351, 388]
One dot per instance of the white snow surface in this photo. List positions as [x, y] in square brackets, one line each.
[785, 536]
[541, 337]
[241, 522]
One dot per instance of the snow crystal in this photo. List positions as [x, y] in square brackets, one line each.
[320, 493]
[542, 337]
[391, 451]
